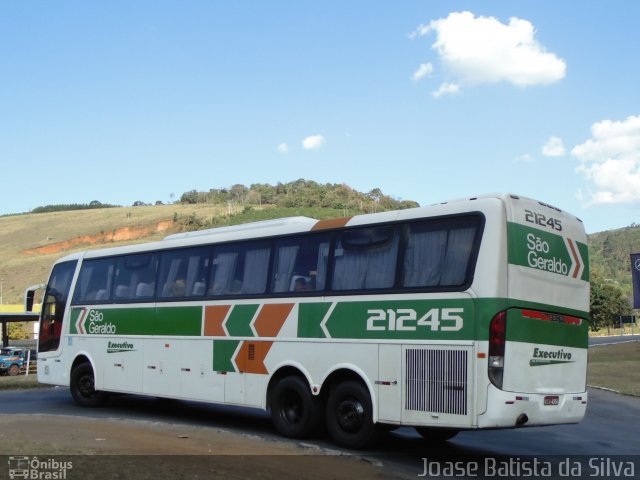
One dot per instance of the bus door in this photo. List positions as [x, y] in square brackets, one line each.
[54, 306]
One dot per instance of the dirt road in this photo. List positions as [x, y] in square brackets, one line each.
[113, 448]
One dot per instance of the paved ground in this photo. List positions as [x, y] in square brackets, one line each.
[199, 439]
[117, 448]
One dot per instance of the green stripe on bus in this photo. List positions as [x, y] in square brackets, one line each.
[409, 319]
[238, 323]
[310, 316]
[545, 332]
[137, 321]
[545, 251]
[583, 249]
[462, 319]
[185, 321]
[222, 354]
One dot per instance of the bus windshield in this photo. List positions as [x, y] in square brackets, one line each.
[55, 300]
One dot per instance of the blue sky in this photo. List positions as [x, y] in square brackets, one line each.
[124, 101]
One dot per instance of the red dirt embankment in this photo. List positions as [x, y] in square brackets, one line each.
[118, 235]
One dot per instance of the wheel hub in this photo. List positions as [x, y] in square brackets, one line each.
[350, 415]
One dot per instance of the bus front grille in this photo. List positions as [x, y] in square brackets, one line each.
[436, 381]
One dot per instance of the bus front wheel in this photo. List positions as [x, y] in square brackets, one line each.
[295, 411]
[349, 415]
[82, 386]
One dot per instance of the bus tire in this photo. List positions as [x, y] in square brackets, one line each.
[435, 434]
[350, 415]
[82, 386]
[295, 411]
[13, 370]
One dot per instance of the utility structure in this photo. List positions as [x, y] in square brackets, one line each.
[26, 316]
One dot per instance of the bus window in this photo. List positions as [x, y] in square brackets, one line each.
[301, 263]
[240, 269]
[53, 307]
[365, 259]
[438, 254]
[135, 277]
[94, 282]
[184, 272]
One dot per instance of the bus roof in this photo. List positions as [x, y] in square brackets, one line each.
[300, 224]
[246, 227]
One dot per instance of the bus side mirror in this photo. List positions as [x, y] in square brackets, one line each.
[29, 296]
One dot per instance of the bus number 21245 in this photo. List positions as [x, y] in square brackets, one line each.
[406, 319]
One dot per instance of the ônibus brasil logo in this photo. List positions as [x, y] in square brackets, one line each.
[92, 321]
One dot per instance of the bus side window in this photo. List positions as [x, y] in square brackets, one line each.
[300, 263]
[94, 281]
[240, 269]
[365, 258]
[438, 253]
[184, 272]
[135, 277]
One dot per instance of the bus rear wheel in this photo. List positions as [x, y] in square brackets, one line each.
[82, 386]
[436, 435]
[295, 411]
[349, 415]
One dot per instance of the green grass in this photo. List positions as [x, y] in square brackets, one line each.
[20, 382]
[20, 233]
[615, 367]
[626, 329]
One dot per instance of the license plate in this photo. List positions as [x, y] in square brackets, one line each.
[551, 400]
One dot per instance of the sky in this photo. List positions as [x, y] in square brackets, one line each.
[142, 101]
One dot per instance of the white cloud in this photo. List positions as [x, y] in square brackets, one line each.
[313, 142]
[423, 70]
[282, 148]
[610, 161]
[446, 89]
[479, 50]
[553, 148]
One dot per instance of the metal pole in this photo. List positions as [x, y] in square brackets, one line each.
[28, 361]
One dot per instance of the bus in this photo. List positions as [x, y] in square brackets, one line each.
[464, 315]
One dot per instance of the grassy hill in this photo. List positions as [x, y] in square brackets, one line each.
[609, 254]
[30, 243]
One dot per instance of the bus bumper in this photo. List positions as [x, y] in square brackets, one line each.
[509, 409]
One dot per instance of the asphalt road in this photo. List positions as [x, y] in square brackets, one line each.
[610, 427]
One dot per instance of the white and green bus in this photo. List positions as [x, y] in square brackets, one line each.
[464, 315]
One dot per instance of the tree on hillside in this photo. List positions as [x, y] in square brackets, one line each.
[299, 194]
[607, 303]
[18, 331]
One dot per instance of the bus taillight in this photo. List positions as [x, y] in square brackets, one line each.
[497, 337]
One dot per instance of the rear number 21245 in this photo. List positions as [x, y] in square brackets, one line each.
[540, 219]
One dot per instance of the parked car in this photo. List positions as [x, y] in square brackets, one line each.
[12, 360]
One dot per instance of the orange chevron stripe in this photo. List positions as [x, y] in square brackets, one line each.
[271, 318]
[250, 357]
[576, 257]
[214, 315]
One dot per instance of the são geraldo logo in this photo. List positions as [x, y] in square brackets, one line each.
[92, 322]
